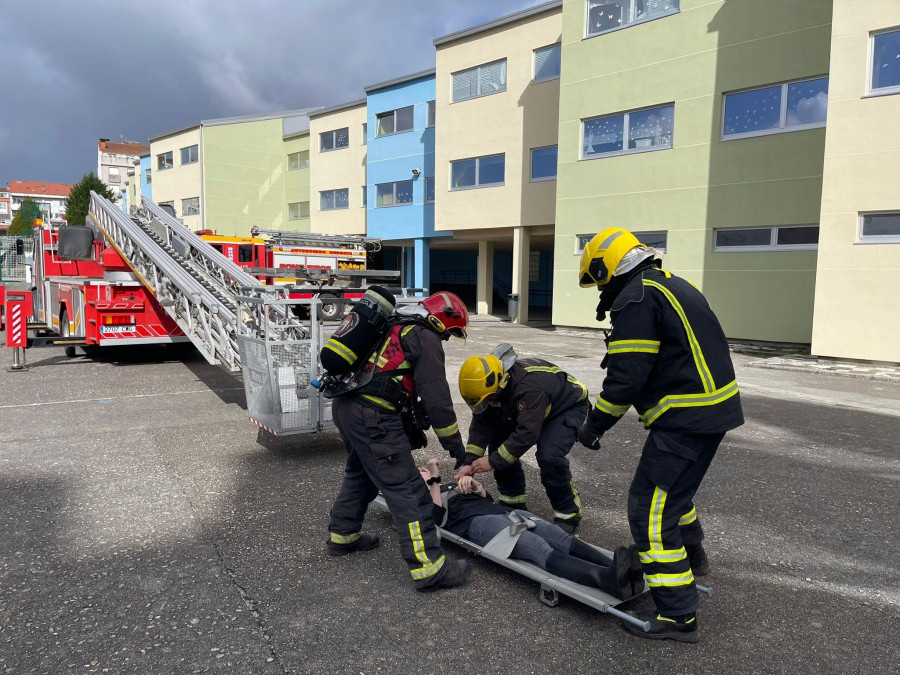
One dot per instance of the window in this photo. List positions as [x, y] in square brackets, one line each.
[164, 161]
[781, 107]
[546, 63]
[794, 237]
[431, 113]
[534, 266]
[604, 15]
[148, 177]
[657, 240]
[114, 175]
[885, 50]
[245, 253]
[395, 121]
[477, 172]
[394, 194]
[879, 227]
[170, 205]
[636, 131]
[189, 155]
[331, 200]
[365, 197]
[429, 190]
[479, 81]
[190, 207]
[543, 163]
[298, 210]
[334, 140]
[298, 160]
[365, 132]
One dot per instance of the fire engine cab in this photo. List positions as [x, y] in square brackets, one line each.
[301, 252]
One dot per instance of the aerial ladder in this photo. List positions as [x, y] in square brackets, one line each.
[312, 239]
[230, 316]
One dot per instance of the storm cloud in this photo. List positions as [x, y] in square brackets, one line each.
[79, 70]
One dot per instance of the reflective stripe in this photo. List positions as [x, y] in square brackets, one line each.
[611, 408]
[654, 528]
[504, 453]
[512, 499]
[688, 517]
[610, 239]
[667, 273]
[665, 556]
[577, 383]
[577, 496]
[380, 401]
[657, 580]
[345, 538]
[447, 431]
[341, 351]
[630, 346]
[383, 302]
[700, 362]
[564, 516]
[406, 330]
[475, 450]
[428, 570]
[542, 369]
[689, 401]
[547, 411]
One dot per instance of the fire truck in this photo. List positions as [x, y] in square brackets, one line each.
[87, 294]
[275, 257]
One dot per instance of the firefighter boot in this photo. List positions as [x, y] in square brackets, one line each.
[679, 628]
[454, 573]
[365, 542]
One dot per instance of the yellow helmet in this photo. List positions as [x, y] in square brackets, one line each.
[603, 254]
[480, 380]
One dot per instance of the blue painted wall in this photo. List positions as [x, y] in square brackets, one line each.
[146, 188]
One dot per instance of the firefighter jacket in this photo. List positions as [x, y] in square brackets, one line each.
[668, 357]
[416, 351]
[536, 392]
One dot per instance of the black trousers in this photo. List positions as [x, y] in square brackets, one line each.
[379, 458]
[662, 516]
[558, 435]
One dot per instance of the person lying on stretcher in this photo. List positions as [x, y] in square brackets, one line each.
[472, 514]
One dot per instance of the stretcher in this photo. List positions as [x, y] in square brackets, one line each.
[498, 549]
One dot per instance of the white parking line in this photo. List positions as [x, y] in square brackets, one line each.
[114, 398]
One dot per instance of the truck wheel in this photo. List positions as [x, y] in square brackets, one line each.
[330, 309]
[65, 332]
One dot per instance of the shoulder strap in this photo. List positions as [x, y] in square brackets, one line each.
[445, 502]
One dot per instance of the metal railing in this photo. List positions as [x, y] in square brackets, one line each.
[12, 264]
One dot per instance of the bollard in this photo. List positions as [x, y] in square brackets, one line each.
[18, 309]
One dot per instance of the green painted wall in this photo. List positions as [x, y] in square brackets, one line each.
[296, 183]
[691, 58]
[244, 167]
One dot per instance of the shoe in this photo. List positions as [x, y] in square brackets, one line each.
[637, 571]
[567, 526]
[664, 628]
[622, 566]
[365, 542]
[454, 573]
[699, 561]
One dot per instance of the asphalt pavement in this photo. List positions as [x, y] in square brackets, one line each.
[148, 527]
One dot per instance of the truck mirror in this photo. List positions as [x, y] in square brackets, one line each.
[20, 247]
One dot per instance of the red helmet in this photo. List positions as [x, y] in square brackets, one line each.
[447, 315]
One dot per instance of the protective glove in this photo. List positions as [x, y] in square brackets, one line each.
[459, 454]
[588, 438]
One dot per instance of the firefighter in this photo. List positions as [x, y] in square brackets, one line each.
[531, 402]
[379, 429]
[667, 356]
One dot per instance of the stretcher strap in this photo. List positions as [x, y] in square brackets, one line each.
[503, 543]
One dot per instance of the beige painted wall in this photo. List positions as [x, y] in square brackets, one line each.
[296, 183]
[336, 169]
[181, 181]
[525, 116]
[857, 306]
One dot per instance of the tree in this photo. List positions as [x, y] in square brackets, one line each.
[24, 219]
[78, 203]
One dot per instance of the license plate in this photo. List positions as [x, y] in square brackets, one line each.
[106, 330]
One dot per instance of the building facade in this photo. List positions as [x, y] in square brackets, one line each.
[337, 138]
[115, 160]
[5, 208]
[231, 174]
[50, 197]
[701, 126]
[497, 93]
[857, 308]
[400, 192]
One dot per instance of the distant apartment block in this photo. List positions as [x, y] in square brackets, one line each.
[5, 208]
[50, 197]
[115, 160]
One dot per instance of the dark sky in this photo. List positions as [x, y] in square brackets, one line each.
[79, 70]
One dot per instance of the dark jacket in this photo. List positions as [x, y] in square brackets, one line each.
[668, 357]
[536, 392]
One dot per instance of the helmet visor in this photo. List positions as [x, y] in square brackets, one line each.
[458, 334]
[478, 405]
